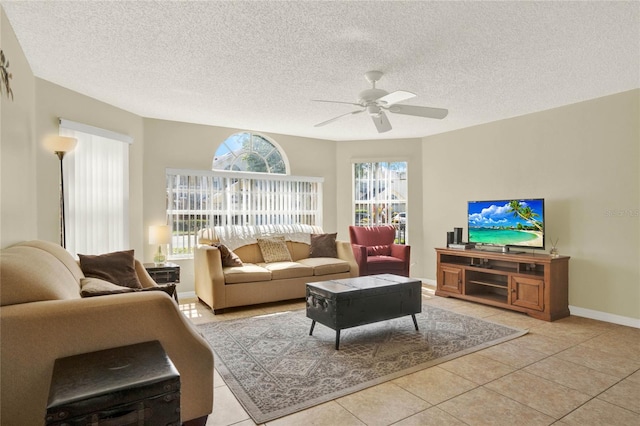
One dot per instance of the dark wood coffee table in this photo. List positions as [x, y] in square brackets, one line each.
[350, 302]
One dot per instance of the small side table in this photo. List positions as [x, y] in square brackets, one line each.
[164, 274]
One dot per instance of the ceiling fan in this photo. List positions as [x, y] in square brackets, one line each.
[375, 101]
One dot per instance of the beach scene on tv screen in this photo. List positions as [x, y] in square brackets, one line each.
[508, 222]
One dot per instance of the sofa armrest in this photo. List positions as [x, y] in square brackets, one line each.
[401, 251]
[35, 334]
[360, 255]
[143, 276]
[209, 276]
[345, 252]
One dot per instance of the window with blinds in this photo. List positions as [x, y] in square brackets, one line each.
[200, 199]
[96, 189]
[380, 195]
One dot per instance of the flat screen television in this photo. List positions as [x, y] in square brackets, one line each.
[506, 223]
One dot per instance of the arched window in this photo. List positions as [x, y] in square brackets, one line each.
[249, 184]
[249, 152]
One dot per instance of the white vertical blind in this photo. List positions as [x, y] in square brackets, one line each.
[200, 199]
[96, 190]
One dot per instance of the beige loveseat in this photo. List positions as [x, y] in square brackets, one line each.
[257, 281]
[43, 317]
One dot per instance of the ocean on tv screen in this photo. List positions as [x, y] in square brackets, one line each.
[503, 237]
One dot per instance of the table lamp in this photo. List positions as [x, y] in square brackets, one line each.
[159, 234]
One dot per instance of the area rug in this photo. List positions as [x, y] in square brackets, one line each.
[274, 368]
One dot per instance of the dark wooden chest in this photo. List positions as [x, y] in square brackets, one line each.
[130, 385]
[351, 302]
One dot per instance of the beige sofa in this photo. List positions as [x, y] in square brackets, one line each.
[43, 317]
[256, 282]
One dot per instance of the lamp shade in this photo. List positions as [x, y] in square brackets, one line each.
[159, 234]
[60, 143]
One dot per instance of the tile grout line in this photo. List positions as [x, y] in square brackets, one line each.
[517, 369]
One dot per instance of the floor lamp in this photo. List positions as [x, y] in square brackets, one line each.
[60, 145]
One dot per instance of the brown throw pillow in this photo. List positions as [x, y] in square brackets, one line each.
[323, 245]
[96, 287]
[274, 249]
[229, 258]
[118, 268]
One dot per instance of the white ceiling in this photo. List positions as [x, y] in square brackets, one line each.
[258, 65]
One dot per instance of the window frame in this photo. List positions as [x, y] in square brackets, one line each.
[374, 211]
[95, 183]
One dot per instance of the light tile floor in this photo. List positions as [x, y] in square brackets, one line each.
[574, 371]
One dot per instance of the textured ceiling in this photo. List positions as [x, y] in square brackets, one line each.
[258, 65]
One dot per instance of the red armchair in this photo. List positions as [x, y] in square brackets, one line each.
[376, 252]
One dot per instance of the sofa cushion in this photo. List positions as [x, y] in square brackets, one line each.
[284, 270]
[117, 267]
[383, 250]
[274, 249]
[246, 273]
[30, 274]
[298, 250]
[249, 253]
[323, 245]
[384, 264]
[326, 265]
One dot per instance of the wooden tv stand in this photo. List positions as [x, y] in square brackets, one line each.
[536, 284]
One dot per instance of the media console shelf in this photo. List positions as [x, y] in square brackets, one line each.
[536, 284]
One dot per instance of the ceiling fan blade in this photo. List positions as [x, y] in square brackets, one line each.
[419, 111]
[395, 97]
[382, 122]
[336, 102]
[338, 117]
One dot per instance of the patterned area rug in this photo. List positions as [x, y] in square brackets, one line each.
[274, 368]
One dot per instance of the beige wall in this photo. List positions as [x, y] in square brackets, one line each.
[583, 159]
[18, 195]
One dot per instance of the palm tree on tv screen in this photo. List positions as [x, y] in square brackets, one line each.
[525, 213]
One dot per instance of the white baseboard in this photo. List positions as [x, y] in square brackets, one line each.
[582, 312]
[428, 281]
[604, 316]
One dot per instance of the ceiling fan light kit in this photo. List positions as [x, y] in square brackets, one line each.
[374, 101]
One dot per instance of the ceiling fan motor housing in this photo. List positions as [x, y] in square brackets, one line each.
[373, 110]
[371, 95]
